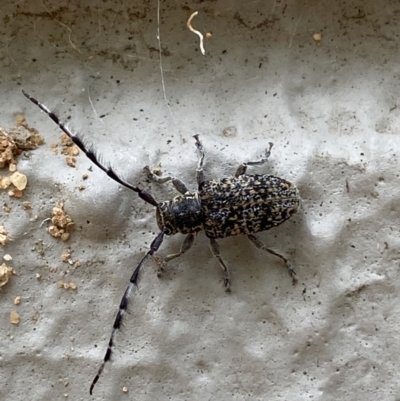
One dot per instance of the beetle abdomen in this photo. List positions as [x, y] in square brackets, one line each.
[246, 204]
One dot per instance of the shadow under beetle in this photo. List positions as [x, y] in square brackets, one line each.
[239, 205]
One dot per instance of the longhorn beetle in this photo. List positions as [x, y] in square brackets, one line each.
[239, 205]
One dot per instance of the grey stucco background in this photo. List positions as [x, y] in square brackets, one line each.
[331, 109]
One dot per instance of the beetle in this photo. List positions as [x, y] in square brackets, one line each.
[238, 205]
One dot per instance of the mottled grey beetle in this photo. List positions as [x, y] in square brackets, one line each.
[239, 205]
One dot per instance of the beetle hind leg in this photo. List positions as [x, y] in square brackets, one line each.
[215, 251]
[241, 170]
[258, 244]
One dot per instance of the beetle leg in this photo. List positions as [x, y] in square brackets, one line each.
[178, 184]
[154, 177]
[258, 244]
[199, 171]
[186, 244]
[241, 170]
[215, 250]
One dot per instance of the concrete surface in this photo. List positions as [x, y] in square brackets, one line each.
[330, 104]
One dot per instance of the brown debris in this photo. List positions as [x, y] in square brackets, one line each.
[4, 237]
[27, 205]
[66, 140]
[66, 256]
[8, 149]
[19, 180]
[15, 140]
[5, 182]
[61, 222]
[16, 193]
[67, 286]
[5, 273]
[14, 317]
[317, 36]
[69, 149]
[54, 148]
[71, 161]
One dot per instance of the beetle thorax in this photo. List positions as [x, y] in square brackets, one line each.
[183, 214]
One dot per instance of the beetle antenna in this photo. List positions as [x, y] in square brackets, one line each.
[91, 154]
[123, 306]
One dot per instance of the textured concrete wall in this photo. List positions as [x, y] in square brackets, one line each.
[321, 80]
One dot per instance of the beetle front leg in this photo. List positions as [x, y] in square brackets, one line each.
[258, 244]
[241, 170]
[186, 245]
[199, 171]
[178, 184]
[215, 251]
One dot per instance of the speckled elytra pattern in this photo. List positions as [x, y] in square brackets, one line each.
[246, 204]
